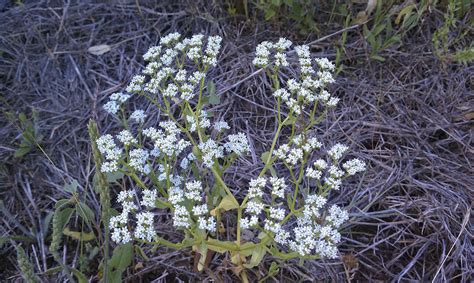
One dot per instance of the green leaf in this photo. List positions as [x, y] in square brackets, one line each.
[218, 249]
[53, 270]
[269, 13]
[377, 57]
[142, 253]
[290, 121]
[81, 278]
[211, 88]
[114, 276]
[121, 257]
[203, 253]
[247, 248]
[23, 150]
[85, 212]
[114, 176]
[220, 246]
[258, 254]
[227, 203]
[378, 29]
[62, 202]
[264, 156]
[214, 99]
[81, 236]
[64, 216]
[197, 153]
[71, 187]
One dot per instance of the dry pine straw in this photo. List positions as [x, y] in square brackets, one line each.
[410, 118]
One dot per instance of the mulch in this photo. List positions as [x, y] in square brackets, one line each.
[409, 117]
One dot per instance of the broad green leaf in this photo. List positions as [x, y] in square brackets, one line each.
[71, 187]
[23, 150]
[203, 253]
[114, 276]
[227, 203]
[64, 216]
[264, 156]
[85, 212]
[62, 202]
[114, 176]
[81, 236]
[269, 13]
[218, 249]
[214, 99]
[121, 257]
[211, 88]
[81, 278]
[221, 246]
[247, 249]
[258, 254]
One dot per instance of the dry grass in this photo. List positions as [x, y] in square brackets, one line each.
[409, 117]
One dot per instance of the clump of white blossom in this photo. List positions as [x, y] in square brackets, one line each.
[178, 163]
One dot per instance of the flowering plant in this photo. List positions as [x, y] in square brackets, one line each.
[179, 165]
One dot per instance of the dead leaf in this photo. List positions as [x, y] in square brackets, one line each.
[99, 49]
[81, 236]
[139, 266]
[364, 15]
[469, 116]
[350, 261]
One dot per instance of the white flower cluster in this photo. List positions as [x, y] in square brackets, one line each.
[145, 229]
[210, 151]
[167, 139]
[337, 151]
[116, 99]
[139, 116]
[278, 187]
[294, 152]
[316, 171]
[311, 85]
[264, 50]
[126, 138]
[182, 217]
[255, 205]
[175, 68]
[166, 67]
[354, 166]
[314, 232]
[272, 224]
[186, 160]
[334, 175]
[110, 151]
[149, 198]
[221, 126]
[311, 236]
[119, 224]
[138, 160]
[304, 56]
[203, 122]
[237, 144]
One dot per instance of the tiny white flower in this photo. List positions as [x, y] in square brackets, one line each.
[138, 115]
